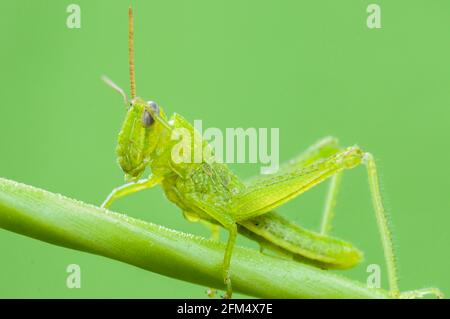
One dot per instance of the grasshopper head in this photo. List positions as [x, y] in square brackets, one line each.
[143, 124]
[139, 137]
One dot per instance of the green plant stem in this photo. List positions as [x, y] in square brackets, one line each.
[70, 223]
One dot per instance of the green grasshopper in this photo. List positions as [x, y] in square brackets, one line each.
[211, 192]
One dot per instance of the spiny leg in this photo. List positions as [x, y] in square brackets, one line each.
[130, 188]
[386, 236]
[273, 192]
[330, 204]
[317, 152]
[383, 223]
[269, 192]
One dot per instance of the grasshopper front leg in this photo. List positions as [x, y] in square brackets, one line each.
[129, 189]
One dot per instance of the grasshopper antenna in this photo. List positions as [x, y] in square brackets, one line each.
[131, 52]
[116, 88]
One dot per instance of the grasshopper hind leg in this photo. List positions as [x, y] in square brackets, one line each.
[269, 192]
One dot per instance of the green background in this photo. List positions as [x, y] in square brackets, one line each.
[310, 68]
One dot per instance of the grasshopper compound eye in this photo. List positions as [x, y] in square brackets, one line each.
[154, 106]
[147, 119]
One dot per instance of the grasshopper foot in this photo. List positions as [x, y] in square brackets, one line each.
[227, 281]
[421, 293]
[211, 292]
